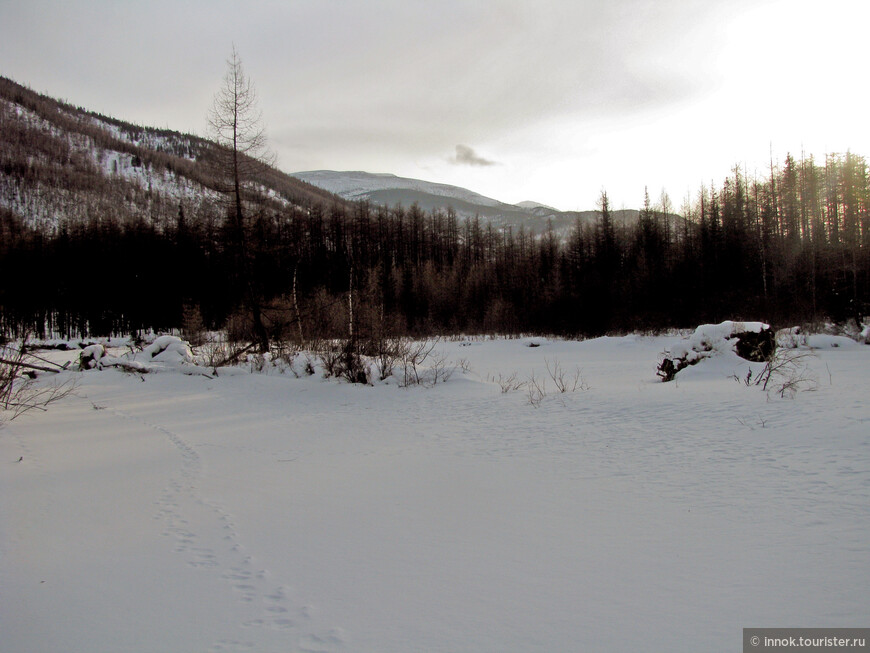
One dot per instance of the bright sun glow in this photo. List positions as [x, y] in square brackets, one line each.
[785, 79]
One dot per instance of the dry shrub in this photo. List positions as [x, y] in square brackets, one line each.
[19, 392]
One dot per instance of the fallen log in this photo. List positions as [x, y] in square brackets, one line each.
[31, 366]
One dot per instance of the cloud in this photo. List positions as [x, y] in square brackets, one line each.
[465, 156]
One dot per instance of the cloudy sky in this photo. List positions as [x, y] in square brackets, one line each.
[551, 100]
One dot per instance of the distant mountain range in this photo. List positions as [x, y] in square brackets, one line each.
[390, 190]
[60, 164]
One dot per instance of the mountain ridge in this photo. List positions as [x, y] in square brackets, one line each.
[390, 190]
[357, 184]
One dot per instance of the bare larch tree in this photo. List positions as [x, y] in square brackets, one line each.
[235, 123]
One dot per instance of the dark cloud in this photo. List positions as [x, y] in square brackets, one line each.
[466, 156]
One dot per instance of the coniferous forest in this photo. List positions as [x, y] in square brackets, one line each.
[788, 249]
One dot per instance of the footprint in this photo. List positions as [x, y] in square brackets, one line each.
[230, 645]
[328, 643]
[237, 574]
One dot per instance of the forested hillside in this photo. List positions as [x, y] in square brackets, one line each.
[62, 165]
[135, 237]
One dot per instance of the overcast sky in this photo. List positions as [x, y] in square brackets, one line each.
[551, 100]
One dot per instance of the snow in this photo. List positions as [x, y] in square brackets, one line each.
[266, 512]
[357, 185]
[823, 341]
[162, 182]
[529, 204]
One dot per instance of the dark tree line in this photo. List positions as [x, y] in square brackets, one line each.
[788, 249]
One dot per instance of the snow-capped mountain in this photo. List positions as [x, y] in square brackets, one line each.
[361, 185]
[391, 190]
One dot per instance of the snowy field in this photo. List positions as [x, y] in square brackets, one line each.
[264, 512]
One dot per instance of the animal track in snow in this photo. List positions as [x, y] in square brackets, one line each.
[180, 507]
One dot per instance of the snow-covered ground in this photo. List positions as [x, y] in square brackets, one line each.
[264, 512]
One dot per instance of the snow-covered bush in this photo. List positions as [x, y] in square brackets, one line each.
[91, 356]
[791, 338]
[168, 349]
[752, 341]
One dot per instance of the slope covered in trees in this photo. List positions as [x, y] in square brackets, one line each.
[61, 165]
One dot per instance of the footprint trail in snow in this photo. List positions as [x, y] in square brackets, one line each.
[187, 514]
